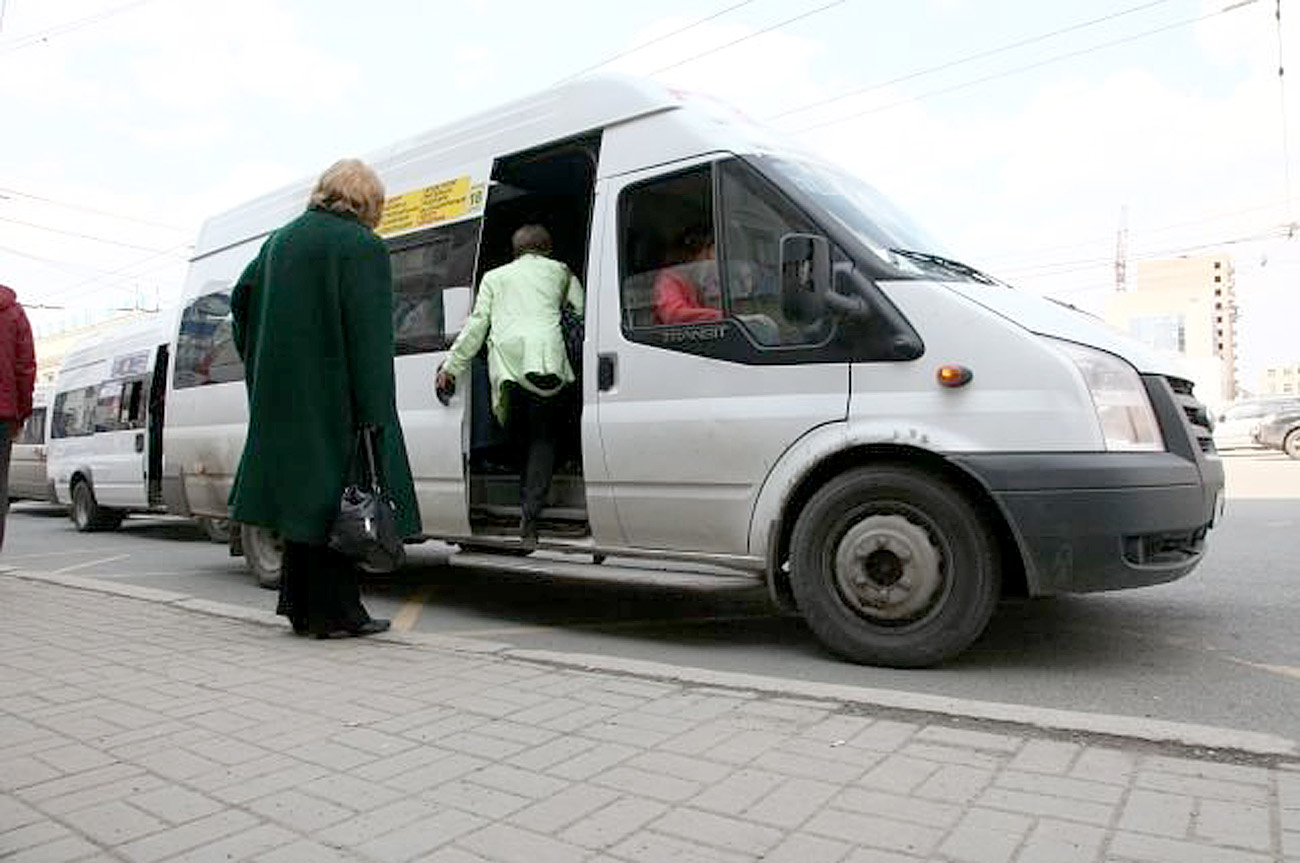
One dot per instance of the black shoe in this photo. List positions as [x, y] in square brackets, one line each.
[373, 626]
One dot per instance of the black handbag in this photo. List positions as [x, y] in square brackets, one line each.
[365, 528]
[571, 328]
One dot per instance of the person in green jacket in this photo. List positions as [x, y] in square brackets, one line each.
[517, 312]
[313, 325]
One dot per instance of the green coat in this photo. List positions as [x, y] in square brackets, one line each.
[313, 324]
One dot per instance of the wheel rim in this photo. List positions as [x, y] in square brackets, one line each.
[265, 551]
[1292, 445]
[888, 569]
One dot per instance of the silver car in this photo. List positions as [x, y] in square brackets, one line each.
[1235, 426]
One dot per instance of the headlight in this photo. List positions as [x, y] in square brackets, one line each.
[1123, 408]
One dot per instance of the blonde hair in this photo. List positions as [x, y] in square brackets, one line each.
[350, 186]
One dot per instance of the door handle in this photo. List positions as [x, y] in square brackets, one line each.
[606, 366]
[139, 442]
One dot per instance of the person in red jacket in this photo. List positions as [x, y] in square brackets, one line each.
[682, 292]
[17, 378]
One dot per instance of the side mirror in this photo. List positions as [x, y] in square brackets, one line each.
[805, 277]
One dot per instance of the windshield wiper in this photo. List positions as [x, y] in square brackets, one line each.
[949, 264]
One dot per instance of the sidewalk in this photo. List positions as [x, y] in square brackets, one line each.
[133, 729]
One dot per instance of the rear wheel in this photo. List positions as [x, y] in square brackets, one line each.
[87, 515]
[893, 566]
[264, 554]
[1291, 444]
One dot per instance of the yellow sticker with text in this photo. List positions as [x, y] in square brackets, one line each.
[441, 202]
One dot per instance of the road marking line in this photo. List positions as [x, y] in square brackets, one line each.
[591, 626]
[47, 554]
[89, 563]
[409, 614]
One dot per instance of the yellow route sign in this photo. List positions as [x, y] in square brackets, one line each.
[441, 202]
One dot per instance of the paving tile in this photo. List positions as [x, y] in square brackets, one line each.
[505, 843]
[648, 847]
[721, 831]
[614, 823]
[1159, 813]
[113, 823]
[298, 811]
[189, 836]
[1158, 849]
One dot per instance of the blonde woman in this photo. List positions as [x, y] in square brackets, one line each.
[313, 324]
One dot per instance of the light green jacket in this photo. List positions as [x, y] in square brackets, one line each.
[517, 312]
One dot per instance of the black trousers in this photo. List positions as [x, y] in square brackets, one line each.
[319, 590]
[6, 449]
[533, 421]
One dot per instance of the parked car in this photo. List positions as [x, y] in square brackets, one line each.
[1281, 431]
[1235, 427]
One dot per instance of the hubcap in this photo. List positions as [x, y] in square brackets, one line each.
[888, 568]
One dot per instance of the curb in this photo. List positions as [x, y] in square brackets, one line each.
[1150, 731]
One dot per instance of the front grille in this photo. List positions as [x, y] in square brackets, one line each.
[1198, 416]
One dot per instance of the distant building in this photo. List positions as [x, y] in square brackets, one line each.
[1188, 306]
[1280, 380]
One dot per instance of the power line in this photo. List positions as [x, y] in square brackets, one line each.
[67, 27]
[4, 190]
[970, 58]
[1019, 69]
[79, 235]
[1281, 92]
[655, 41]
[734, 42]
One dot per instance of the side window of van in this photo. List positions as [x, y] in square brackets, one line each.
[205, 346]
[120, 406]
[433, 272]
[679, 271]
[74, 413]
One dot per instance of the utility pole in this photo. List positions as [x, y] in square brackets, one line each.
[1121, 252]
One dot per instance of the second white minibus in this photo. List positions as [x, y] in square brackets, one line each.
[106, 425]
[890, 438]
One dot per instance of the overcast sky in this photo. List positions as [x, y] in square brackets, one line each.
[1016, 131]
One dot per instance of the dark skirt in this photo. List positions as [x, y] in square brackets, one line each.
[319, 590]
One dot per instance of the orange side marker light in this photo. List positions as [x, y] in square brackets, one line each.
[953, 376]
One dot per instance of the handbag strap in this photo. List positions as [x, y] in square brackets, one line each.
[366, 444]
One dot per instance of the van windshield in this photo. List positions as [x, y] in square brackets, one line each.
[871, 217]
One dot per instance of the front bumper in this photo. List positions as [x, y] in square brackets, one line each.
[1104, 521]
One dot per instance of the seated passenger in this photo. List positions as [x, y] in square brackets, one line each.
[687, 293]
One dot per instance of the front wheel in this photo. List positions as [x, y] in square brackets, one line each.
[87, 515]
[1291, 444]
[893, 566]
[264, 554]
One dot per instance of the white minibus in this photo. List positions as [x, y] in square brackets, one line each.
[105, 445]
[890, 438]
[27, 477]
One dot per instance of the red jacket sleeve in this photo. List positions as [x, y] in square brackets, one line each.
[24, 365]
[676, 301]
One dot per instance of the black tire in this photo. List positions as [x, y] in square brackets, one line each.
[1291, 444]
[893, 566]
[86, 514]
[263, 553]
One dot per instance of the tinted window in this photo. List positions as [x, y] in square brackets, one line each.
[74, 413]
[426, 267]
[205, 346]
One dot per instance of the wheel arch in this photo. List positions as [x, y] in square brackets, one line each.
[1015, 580]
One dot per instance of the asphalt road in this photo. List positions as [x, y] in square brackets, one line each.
[1220, 647]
